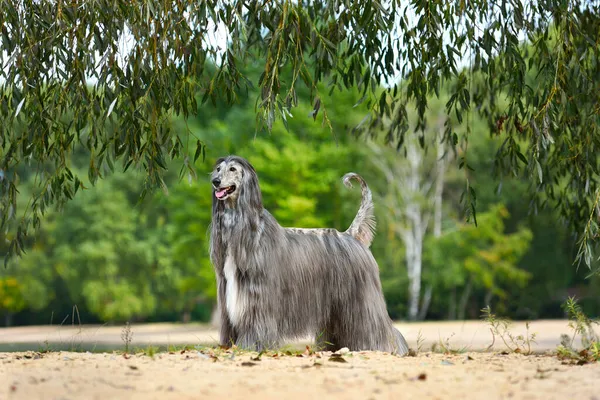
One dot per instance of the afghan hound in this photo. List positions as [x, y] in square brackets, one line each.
[278, 283]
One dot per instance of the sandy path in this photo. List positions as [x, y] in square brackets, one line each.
[365, 375]
[196, 374]
[467, 335]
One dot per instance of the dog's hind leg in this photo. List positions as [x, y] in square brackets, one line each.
[387, 338]
[368, 327]
[400, 343]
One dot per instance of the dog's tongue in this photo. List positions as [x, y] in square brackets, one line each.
[220, 193]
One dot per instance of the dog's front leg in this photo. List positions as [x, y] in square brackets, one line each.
[227, 335]
[253, 340]
[259, 333]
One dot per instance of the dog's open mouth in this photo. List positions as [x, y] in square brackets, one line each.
[223, 192]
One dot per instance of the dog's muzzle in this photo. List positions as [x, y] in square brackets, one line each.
[221, 193]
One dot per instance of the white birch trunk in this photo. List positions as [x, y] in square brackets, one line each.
[417, 218]
[441, 164]
[413, 199]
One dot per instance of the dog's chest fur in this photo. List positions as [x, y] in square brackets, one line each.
[234, 299]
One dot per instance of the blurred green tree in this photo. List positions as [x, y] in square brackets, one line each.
[188, 208]
[104, 257]
[11, 298]
[28, 282]
[468, 258]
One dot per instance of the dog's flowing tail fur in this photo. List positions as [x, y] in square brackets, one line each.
[363, 226]
[363, 230]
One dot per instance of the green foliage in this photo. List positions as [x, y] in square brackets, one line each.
[483, 256]
[186, 236]
[103, 261]
[26, 283]
[121, 258]
[110, 75]
[299, 187]
[108, 255]
[11, 295]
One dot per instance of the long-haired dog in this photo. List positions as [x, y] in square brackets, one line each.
[278, 283]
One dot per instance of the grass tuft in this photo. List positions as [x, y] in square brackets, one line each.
[500, 327]
[127, 336]
[583, 327]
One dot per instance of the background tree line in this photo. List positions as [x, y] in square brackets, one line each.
[122, 258]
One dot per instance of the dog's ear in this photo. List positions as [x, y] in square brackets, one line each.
[219, 161]
[217, 251]
[250, 195]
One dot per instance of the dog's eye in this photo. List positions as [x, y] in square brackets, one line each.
[232, 169]
[218, 169]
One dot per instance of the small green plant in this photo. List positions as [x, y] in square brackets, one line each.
[444, 346]
[500, 327]
[46, 348]
[420, 341]
[151, 351]
[583, 327]
[580, 323]
[291, 350]
[76, 346]
[320, 343]
[179, 348]
[127, 336]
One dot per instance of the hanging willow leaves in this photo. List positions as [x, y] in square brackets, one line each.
[109, 74]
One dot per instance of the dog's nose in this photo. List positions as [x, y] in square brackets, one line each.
[216, 182]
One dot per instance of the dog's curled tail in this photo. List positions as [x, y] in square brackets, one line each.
[363, 226]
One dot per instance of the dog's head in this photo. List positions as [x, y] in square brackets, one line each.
[234, 180]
